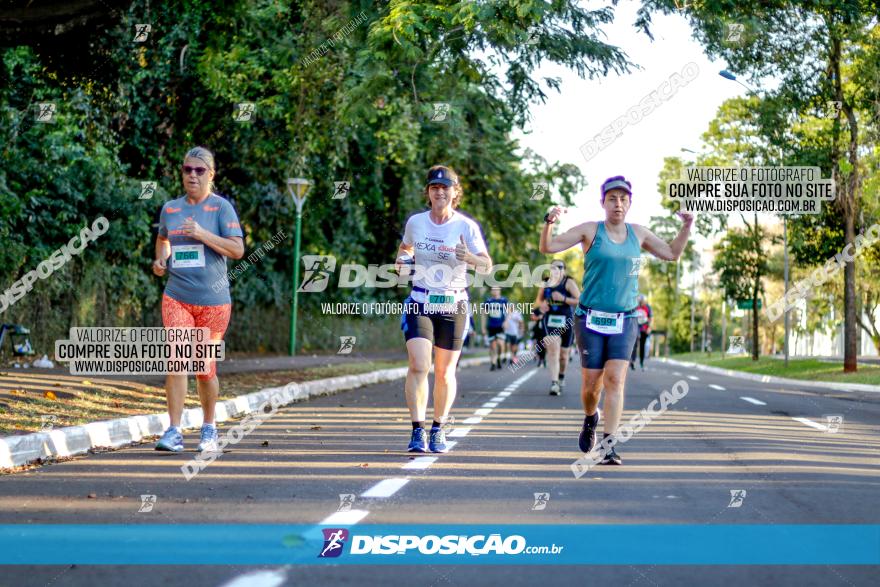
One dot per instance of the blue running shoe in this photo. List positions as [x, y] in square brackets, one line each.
[438, 441]
[172, 441]
[208, 440]
[418, 442]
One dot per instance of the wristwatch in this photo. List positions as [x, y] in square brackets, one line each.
[547, 219]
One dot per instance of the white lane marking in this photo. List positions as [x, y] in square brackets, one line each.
[503, 394]
[752, 400]
[693, 377]
[450, 444]
[490, 405]
[482, 412]
[811, 424]
[472, 420]
[344, 518]
[718, 387]
[676, 373]
[525, 377]
[385, 488]
[420, 463]
[498, 399]
[458, 433]
[258, 579]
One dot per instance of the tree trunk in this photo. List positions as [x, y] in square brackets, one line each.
[755, 340]
[848, 191]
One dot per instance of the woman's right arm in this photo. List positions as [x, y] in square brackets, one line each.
[562, 242]
[163, 251]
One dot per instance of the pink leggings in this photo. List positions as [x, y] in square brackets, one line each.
[179, 315]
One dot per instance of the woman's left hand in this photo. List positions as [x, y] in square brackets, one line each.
[686, 217]
[557, 296]
[461, 251]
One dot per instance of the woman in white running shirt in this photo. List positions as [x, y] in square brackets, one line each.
[442, 243]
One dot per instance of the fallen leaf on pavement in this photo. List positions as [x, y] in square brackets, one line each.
[315, 428]
[92, 496]
[50, 395]
[265, 443]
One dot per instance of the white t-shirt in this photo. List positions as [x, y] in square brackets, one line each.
[512, 323]
[436, 268]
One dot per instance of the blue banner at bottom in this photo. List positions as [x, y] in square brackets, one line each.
[440, 544]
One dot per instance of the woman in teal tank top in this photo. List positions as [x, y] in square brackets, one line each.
[606, 326]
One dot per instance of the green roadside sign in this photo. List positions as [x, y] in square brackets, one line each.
[746, 304]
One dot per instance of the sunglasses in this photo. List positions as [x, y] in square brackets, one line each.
[200, 171]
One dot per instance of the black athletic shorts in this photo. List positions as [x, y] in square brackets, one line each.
[512, 339]
[495, 332]
[566, 333]
[444, 330]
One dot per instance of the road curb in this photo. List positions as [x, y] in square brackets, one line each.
[16, 451]
[771, 379]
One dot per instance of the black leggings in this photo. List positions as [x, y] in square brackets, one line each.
[640, 344]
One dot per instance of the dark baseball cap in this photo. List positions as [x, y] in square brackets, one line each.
[617, 182]
[441, 175]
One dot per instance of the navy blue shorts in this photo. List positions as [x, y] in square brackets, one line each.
[444, 330]
[595, 348]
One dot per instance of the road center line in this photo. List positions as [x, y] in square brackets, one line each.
[419, 463]
[693, 377]
[718, 387]
[811, 424]
[490, 405]
[483, 412]
[458, 433]
[344, 518]
[752, 400]
[472, 420]
[386, 487]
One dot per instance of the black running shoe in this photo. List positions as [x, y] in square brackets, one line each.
[492, 367]
[612, 458]
[587, 439]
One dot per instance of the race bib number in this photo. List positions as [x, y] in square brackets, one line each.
[440, 299]
[641, 316]
[183, 256]
[555, 321]
[440, 303]
[605, 322]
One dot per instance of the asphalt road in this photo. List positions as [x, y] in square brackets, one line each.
[773, 442]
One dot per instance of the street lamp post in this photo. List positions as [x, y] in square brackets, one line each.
[298, 188]
[727, 75]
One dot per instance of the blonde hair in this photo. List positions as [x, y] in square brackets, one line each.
[458, 191]
[207, 157]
